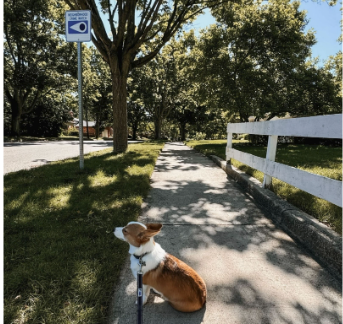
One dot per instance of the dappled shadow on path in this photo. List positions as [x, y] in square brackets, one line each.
[255, 273]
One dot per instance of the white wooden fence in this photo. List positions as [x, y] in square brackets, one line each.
[329, 126]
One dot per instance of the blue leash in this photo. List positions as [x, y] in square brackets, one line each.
[140, 292]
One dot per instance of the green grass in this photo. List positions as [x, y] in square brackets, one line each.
[322, 160]
[61, 259]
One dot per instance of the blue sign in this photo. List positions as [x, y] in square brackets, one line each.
[78, 26]
[75, 27]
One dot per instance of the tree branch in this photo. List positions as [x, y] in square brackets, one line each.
[145, 59]
[111, 18]
[130, 25]
[99, 45]
[146, 17]
[9, 43]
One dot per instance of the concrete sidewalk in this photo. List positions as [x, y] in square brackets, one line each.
[255, 273]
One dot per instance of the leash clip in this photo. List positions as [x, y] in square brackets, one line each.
[141, 263]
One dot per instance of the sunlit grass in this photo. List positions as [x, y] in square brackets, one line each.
[59, 197]
[317, 159]
[61, 260]
[100, 179]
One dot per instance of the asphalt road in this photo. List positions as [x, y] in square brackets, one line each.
[27, 155]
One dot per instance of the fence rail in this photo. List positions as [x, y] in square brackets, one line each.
[329, 126]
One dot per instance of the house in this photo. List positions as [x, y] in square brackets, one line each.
[107, 132]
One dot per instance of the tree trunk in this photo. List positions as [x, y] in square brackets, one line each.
[134, 131]
[15, 122]
[183, 131]
[244, 118]
[87, 130]
[98, 118]
[97, 126]
[120, 129]
[158, 126]
[86, 110]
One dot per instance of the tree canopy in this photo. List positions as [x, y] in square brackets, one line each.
[36, 60]
[250, 56]
[134, 25]
[254, 61]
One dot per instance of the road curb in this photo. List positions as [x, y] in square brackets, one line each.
[321, 241]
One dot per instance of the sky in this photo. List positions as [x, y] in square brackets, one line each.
[325, 20]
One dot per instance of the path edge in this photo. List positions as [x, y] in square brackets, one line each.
[322, 242]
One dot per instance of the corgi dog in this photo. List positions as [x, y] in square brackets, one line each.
[174, 280]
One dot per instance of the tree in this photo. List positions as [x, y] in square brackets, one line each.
[183, 98]
[97, 93]
[152, 88]
[334, 66]
[164, 88]
[136, 116]
[313, 91]
[246, 62]
[47, 119]
[101, 107]
[36, 60]
[90, 84]
[133, 24]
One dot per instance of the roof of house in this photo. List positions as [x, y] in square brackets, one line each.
[90, 123]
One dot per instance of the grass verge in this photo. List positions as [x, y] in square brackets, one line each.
[322, 160]
[61, 260]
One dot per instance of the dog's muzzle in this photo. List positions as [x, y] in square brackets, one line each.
[118, 232]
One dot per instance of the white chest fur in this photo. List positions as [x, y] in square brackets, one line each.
[155, 254]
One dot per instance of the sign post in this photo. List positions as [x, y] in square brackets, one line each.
[78, 29]
[79, 77]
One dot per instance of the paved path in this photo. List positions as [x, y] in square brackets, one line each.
[254, 272]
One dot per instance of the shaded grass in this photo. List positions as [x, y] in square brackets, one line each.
[321, 160]
[61, 260]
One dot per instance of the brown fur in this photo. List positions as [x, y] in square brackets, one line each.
[137, 235]
[176, 281]
[179, 284]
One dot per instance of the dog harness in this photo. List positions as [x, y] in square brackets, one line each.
[139, 257]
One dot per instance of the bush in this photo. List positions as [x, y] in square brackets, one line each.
[200, 136]
[258, 139]
[318, 141]
[73, 132]
[241, 137]
[46, 120]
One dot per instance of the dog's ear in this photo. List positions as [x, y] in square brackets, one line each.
[152, 230]
[154, 227]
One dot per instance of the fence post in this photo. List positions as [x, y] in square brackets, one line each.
[271, 154]
[228, 147]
